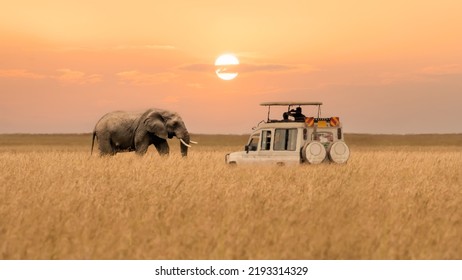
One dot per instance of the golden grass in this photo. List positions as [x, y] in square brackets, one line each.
[388, 202]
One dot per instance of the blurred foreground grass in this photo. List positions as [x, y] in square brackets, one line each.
[399, 197]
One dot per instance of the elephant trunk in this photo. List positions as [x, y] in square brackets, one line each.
[184, 148]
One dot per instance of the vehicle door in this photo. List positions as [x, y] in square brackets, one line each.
[265, 153]
[259, 148]
[285, 148]
[252, 148]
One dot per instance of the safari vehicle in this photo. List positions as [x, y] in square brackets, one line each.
[294, 138]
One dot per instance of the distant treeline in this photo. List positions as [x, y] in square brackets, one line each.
[236, 140]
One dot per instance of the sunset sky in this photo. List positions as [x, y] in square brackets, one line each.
[381, 66]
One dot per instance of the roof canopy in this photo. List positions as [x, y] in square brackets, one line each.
[289, 103]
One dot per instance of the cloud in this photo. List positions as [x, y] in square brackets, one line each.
[64, 76]
[441, 70]
[76, 77]
[146, 47]
[426, 74]
[138, 78]
[171, 99]
[246, 68]
[115, 48]
[20, 74]
[195, 85]
[198, 67]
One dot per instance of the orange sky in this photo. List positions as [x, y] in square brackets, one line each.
[393, 67]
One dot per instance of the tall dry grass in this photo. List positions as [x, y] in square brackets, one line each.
[388, 202]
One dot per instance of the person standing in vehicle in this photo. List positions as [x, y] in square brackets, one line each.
[297, 114]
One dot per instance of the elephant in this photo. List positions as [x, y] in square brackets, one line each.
[121, 131]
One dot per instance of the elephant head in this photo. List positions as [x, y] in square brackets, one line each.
[166, 124]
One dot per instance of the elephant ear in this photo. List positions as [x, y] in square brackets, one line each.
[155, 123]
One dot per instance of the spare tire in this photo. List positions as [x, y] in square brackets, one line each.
[314, 152]
[339, 152]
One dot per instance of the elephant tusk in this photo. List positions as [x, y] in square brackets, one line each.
[193, 142]
[184, 143]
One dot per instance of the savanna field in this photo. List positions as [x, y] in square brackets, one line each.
[398, 197]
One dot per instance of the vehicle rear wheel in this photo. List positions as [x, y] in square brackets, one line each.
[314, 152]
[339, 152]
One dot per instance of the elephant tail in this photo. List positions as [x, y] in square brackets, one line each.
[93, 142]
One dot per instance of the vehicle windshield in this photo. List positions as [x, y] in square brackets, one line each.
[253, 143]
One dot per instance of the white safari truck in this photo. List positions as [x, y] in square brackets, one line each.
[294, 138]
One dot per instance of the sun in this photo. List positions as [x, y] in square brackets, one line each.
[226, 66]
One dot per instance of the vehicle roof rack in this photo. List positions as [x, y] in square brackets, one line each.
[290, 104]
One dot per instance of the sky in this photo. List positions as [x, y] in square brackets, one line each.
[389, 67]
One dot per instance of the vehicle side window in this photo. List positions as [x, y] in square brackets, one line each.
[285, 139]
[266, 140]
[253, 143]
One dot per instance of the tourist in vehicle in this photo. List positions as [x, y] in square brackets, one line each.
[297, 114]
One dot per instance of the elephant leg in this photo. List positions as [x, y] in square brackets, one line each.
[162, 147]
[105, 147]
[142, 145]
